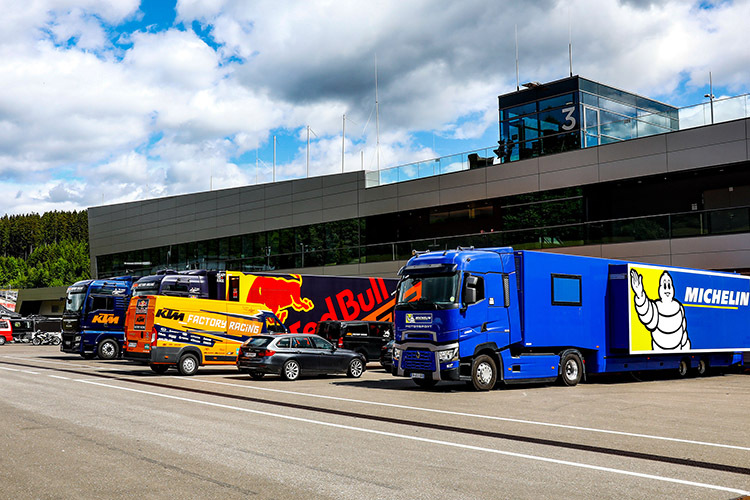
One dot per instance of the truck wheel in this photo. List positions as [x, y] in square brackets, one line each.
[108, 349]
[683, 368]
[702, 369]
[290, 370]
[187, 365]
[160, 369]
[483, 373]
[571, 369]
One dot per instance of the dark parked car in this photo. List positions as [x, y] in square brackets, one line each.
[293, 354]
[364, 337]
[386, 356]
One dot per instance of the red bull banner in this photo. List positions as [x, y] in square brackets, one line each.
[301, 301]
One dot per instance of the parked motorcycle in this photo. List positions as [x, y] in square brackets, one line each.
[43, 338]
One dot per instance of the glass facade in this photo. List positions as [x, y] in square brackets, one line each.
[575, 113]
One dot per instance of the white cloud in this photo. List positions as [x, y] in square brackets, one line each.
[83, 120]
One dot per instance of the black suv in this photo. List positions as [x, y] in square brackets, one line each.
[364, 337]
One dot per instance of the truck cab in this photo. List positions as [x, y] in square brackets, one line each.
[454, 308]
[94, 317]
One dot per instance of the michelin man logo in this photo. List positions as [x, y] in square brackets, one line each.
[664, 318]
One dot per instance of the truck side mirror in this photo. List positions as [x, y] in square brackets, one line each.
[470, 291]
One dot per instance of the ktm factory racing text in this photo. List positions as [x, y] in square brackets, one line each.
[187, 333]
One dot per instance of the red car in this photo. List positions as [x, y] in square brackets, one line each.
[6, 331]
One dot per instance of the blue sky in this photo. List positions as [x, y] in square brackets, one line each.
[112, 101]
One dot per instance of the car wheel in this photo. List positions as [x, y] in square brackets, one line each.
[356, 368]
[187, 365]
[571, 369]
[160, 369]
[257, 375]
[108, 349]
[2, 340]
[290, 371]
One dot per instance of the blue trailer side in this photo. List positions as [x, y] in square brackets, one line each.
[495, 314]
[94, 317]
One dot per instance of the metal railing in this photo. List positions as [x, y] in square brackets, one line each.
[720, 110]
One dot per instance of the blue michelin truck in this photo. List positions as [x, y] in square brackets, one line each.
[93, 321]
[493, 315]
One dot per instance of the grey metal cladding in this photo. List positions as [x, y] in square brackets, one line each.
[465, 193]
[513, 185]
[419, 200]
[633, 149]
[523, 168]
[568, 160]
[418, 186]
[633, 167]
[707, 135]
[587, 174]
[705, 156]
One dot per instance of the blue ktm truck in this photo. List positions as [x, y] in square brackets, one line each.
[497, 315]
[93, 320]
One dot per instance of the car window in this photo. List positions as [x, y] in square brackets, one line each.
[283, 342]
[258, 341]
[301, 343]
[357, 329]
[321, 343]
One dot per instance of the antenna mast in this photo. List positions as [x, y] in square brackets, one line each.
[518, 82]
[377, 115]
[570, 44]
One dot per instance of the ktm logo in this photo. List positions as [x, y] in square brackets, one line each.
[167, 313]
[105, 319]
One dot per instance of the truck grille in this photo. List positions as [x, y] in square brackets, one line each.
[418, 360]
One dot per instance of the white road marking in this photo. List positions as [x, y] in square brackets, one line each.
[433, 410]
[486, 417]
[431, 441]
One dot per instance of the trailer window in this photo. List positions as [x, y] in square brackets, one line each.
[566, 290]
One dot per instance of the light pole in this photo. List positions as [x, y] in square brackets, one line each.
[710, 95]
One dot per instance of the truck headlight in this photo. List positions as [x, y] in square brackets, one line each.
[396, 354]
[448, 355]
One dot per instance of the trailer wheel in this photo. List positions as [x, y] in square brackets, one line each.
[160, 369]
[683, 368]
[702, 369]
[188, 364]
[483, 373]
[571, 369]
[108, 349]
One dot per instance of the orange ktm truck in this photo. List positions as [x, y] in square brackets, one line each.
[186, 333]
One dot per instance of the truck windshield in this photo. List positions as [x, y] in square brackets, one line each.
[149, 288]
[74, 303]
[437, 291]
